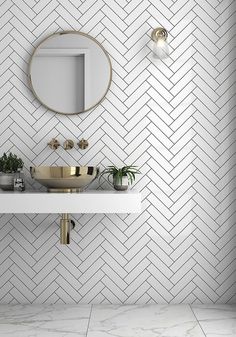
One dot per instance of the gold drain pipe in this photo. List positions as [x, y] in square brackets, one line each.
[65, 227]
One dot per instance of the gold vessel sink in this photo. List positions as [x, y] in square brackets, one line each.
[64, 178]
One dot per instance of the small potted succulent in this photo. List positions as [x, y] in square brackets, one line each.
[9, 165]
[122, 177]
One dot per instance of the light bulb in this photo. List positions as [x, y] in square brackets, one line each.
[160, 49]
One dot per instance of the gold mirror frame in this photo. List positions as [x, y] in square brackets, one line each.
[63, 33]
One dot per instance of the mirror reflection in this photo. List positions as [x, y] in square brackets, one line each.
[70, 72]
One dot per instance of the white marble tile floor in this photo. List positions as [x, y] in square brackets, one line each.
[117, 320]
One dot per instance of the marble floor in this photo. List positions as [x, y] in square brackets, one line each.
[118, 320]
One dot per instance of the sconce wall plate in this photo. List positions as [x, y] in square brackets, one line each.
[159, 33]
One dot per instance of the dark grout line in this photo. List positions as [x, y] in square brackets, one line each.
[89, 319]
[197, 320]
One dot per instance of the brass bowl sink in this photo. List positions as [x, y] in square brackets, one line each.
[64, 178]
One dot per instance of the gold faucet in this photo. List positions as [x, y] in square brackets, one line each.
[83, 144]
[68, 144]
[54, 144]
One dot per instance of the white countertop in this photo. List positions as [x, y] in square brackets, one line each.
[91, 201]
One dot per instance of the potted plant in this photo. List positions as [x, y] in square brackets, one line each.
[9, 165]
[121, 176]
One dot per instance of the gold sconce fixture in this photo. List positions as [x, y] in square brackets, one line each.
[160, 46]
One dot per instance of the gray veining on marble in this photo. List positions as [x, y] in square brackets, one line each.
[216, 320]
[143, 321]
[152, 320]
[44, 320]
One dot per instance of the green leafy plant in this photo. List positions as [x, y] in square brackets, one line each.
[118, 173]
[10, 163]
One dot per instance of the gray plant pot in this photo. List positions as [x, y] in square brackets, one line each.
[121, 185]
[7, 181]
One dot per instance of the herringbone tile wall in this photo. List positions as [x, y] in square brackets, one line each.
[175, 119]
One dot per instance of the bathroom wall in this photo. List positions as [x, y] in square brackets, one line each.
[174, 119]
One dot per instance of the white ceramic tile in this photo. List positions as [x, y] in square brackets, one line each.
[173, 118]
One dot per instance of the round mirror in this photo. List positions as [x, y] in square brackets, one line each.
[70, 72]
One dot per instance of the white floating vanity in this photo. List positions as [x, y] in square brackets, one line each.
[85, 202]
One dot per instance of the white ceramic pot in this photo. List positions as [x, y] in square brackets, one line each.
[7, 181]
[121, 185]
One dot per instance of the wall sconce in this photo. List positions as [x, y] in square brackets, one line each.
[160, 46]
